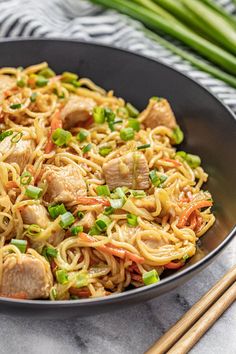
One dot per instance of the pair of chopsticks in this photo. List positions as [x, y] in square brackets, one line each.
[180, 338]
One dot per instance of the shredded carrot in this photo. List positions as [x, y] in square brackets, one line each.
[20, 295]
[134, 257]
[174, 265]
[93, 201]
[175, 162]
[11, 184]
[80, 292]
[193, 220]
[56, 122]
[189, 210]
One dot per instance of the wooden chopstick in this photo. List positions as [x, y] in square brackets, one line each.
[193, 315]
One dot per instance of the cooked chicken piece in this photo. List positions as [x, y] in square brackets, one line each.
[147, 203]
[6, 83]
[87, 221]
[65, 184]
[35, 214]
[29, 276]
[129, 171]
[20, 152]
[77, 109]
[158, 112]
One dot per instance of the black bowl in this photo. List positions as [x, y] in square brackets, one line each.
[210, 131]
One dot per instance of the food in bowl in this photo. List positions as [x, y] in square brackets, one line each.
[95, 198]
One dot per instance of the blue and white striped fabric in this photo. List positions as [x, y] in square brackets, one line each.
[81, 20]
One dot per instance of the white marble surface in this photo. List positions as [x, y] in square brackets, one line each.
[126, 331]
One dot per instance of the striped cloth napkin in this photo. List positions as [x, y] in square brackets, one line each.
[79, 19]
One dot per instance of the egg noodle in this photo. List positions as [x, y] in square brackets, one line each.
[148, 232]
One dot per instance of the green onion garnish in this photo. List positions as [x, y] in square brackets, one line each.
[47, 72]
[137, 193]
[16, 137]
[108, 210]
[133, 112]
[192, 160]
[185, 257]
[69, 77]
[82, 279]
[103, 190]
[20, 244]
[117, 121]
[61, 137]
[134, 123]
[25, 178]
[109, 115]
[117, 203]
[41, 81]
[145, 146]
[87, 148]
[66, 220]
[120, 192]
[62, 276]
[178, 135]
[16, 106]
[33, 192]
[127, 134]
[94, 231]
[103, 222]
[53, 293]
[21, 83]
[33, 97]
[80, 214]
[132, 220]
[105, 150]
[76, 229]
[157, 180]
[82, 135]
[99, 115]
[151, 277]
[76, 83]
[56, 210]
[34, 230]
[51, 251]
[3, 135]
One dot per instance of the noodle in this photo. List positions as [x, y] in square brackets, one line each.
[166, 219]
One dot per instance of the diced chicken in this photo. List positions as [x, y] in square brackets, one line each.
[6, 83]
[28, 276]
[20, 152]
[158, 112]
[77, 109]
[35, 214]
[87, 221]
[147, 203]
[129, 171]
[64, 184]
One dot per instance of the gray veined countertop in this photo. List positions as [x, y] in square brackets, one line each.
[126, 331]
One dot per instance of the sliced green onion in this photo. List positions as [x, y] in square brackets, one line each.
[25, 178]
[80, 214]
[192, 160]
[16, 137]
[117, 203]
[56, 210]
[61, 137]
[109, 115]
[34, 230]
[137, 193]
[145, 146]
[87, 148]
[16, 106]
[178, 135]
[117, 121]
[120, 192]
[99, 115]
[105, 150]
[53, 293]
[157, 180]
[62, 276]
[127, 134]
[185, 257]
[151, 277]
[134, 123]
[20, 244]
[103, 222]
[66, 220]
[76, 229]
[3, 135]
[82, 135]
[41, 81]
[82, 279]
[108, 210]
[21, 83]
[47, 72]
[51, 251]
[69, 77]
[103, 190]
[94, 231]
[33, 97]
[133, 112]
[33, 192]
[132, 220]
[76, 83]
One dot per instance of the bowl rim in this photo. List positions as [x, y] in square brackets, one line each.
[169, 279]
